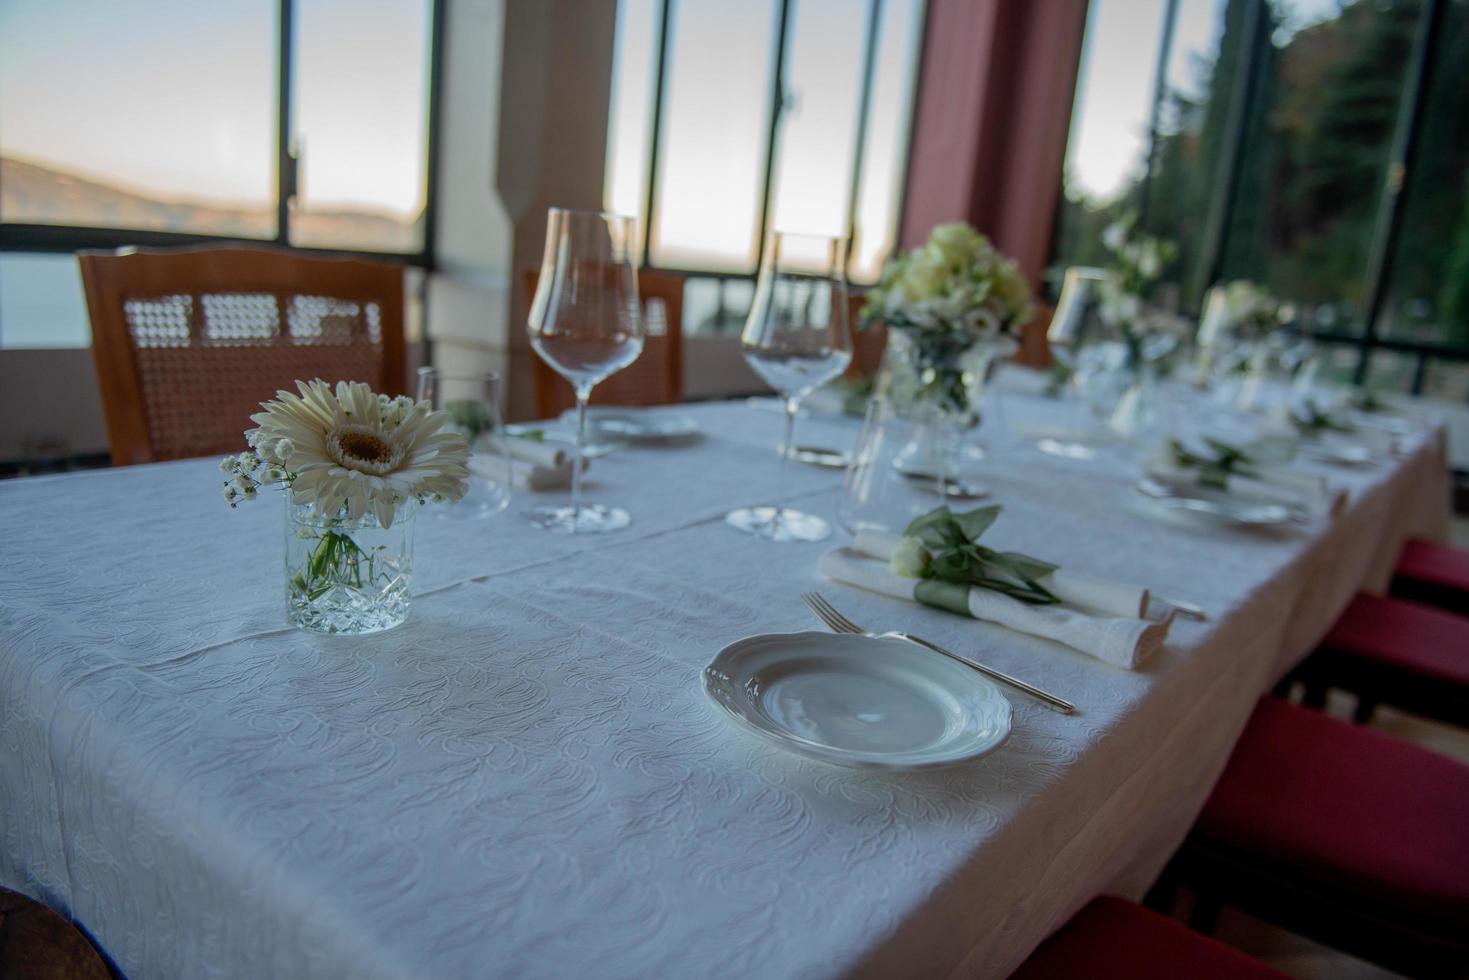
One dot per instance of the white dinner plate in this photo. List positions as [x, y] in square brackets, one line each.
[1213, 506]
[635, 425]
[858, 701]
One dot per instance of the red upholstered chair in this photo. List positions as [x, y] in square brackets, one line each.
[1433, 573]
[1112, 939]
[1342, 834]
[1389, 651]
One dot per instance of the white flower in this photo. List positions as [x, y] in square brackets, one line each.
[924, 276]
[284, 448]
[1114, 235]
[345, 456]
[956, 243]
[228, 465]
[230, 494]
[909, 559]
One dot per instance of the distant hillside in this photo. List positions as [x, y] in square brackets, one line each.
[34, 194]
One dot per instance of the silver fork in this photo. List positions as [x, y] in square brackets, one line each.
[838, 623]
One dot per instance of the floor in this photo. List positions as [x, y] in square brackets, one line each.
[1300, 957]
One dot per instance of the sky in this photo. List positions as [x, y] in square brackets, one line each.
[176, 98]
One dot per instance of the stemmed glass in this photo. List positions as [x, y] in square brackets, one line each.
[585, 323]
[796, 340]
[473, 404]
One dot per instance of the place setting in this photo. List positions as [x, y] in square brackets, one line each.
[869, 697]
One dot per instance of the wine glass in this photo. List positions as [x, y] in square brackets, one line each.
[796, 340]
[472, 402]
[585, 323]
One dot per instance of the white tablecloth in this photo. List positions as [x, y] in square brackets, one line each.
[526, 779]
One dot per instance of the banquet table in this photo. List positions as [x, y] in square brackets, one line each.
[527, 779]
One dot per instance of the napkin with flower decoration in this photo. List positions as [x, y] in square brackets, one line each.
[939, 562]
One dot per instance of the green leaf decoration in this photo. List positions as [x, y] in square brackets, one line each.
[958, 560]
[1214, 471]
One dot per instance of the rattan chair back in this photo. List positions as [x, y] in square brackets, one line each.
[188, 342]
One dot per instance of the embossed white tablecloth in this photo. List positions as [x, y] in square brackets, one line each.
[526, 780]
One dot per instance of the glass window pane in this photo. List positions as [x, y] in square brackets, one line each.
[1188, 155]
[1106, 154]
[885, 155]
[630, 116]
[1317, 147]
[41, 302]
[1447, 379]
[1428, 297]
[360, 115]
[152, 114]
[1392, 371]
[1338, 363]
[715, 130]
[818, 131]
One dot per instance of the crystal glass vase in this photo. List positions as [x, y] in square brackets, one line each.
[935, 379]
[348, 576]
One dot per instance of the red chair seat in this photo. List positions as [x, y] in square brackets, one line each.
[1112, 939]
[1433, 573]
[1366, 821]
[1404, 635]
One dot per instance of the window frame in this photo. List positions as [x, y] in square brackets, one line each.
[52, 238]
[1383, 245]
[776, 109]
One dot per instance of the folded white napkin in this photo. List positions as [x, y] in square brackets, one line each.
[1311, 494]
[1122, 642]
[1098, 595]
[533, 451]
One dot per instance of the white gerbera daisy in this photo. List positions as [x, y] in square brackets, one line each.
[346, 455]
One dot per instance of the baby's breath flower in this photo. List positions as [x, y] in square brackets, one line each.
[283, 450]
[230, 494]
[228, 465]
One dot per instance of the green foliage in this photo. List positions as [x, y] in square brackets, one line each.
[956, 556]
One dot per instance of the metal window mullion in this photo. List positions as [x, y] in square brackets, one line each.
[656, 127]
[1221, 207]
[1160, 84]
[1390, 205]
[864, 109]
[429, 253]
[777, 108]
[285, 167]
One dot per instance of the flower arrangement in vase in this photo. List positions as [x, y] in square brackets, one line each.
[952, 306]
[353, 466]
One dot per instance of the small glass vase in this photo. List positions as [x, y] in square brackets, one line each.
[345, 576]
[935, 379]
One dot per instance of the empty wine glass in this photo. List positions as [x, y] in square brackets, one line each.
[472, 402]
[796, 340]
[585, 323]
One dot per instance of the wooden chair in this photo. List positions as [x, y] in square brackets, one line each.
[189, 342]
[867, 345]
[38, 944]
[655, 378]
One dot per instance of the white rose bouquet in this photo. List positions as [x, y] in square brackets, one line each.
[1138, 262]
[955, 283]
[940, 302]
[1253, 313]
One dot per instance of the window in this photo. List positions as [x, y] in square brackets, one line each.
[303, 123]
[1320, 147]
[700, 152]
